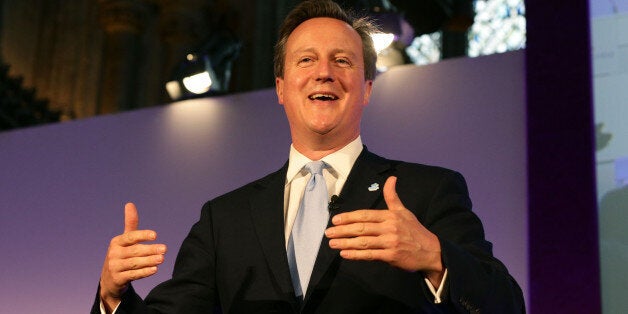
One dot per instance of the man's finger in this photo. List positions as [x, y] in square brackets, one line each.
[358, 243]
[390, 194]
[135, 274]
[133, 237]
[364, 255]
[141, 262]
[131, 220]
[360, 216]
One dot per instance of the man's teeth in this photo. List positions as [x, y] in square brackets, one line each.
[323, 97]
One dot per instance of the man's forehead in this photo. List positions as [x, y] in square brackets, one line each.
[320, 27]
[318, 23]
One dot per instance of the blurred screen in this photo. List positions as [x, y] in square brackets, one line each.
[609, 40]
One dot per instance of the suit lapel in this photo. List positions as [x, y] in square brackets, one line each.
[365, 183]
[362, 190]
[267, 214]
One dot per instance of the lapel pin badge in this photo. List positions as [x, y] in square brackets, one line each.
[374, 187]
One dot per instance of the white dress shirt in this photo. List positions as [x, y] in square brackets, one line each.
[339, 165]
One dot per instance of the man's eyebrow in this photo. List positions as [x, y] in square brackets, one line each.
[302, 50]
[343, 51]
[332, 52]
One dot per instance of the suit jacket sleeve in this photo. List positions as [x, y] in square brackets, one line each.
[192, 286]
[477, 282]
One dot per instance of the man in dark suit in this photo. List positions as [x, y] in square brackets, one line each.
[409, 247]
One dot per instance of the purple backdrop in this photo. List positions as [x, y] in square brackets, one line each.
[564, 253]
[63, 186]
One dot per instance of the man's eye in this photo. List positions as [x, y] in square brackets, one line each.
[343, 62]
[305, 60]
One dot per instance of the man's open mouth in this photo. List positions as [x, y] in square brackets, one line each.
[323, 97]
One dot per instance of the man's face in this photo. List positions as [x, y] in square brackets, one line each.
[323, 89]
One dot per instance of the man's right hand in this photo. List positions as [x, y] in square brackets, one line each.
[127, 259]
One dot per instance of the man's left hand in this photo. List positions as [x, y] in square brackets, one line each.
[394, 236]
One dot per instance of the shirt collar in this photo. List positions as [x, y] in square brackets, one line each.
[341, 161]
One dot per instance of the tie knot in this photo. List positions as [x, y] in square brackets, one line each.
[315, 167]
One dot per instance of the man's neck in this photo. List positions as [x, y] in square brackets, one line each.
[316, 150]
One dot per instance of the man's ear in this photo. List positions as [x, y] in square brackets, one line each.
[368, 87]
[279, 89]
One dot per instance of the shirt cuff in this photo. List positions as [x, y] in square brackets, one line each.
[103, 311]
[437, 293]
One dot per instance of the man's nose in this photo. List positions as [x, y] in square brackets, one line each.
[325, 72]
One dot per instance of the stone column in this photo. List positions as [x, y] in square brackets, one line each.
[123, 22]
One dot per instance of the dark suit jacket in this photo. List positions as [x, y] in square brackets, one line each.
[234, 258]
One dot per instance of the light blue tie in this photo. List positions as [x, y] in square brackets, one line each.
[308, 228]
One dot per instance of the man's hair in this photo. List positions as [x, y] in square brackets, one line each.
[310, 9]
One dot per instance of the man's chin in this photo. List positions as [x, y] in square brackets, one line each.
[322, 129]
[324, 132]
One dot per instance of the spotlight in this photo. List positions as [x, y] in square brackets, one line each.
[207, 71]
[386, 16]
[195, 77]
[396, 34]
[198, 83]
[381, 41]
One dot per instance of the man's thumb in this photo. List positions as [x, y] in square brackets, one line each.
[131, 219]
[390, 194]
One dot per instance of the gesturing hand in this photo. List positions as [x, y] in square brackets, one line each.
[127, 259]
[394, 236]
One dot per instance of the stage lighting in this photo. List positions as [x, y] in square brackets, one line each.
[198, 83]
[395, 35]
[381, 41]
[206, 71]
[388, 19]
